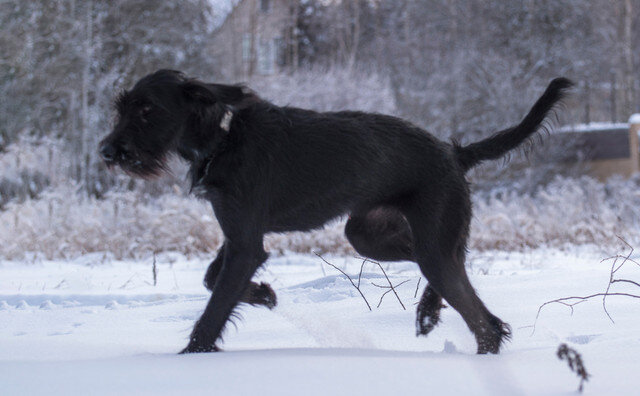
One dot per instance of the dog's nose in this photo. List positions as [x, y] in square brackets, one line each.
[108, 152]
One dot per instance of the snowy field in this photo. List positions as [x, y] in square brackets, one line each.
[98, 326]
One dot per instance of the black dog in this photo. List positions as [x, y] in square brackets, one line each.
[266, 168]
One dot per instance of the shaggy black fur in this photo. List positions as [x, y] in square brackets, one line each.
[266, 168]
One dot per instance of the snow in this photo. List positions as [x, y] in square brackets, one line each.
[102, 327]
[594, 127]
[634, 119]
[220, 10]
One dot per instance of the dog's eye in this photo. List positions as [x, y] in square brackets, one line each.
[144, 112]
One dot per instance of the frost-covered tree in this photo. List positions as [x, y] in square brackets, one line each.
[460, 66]
[64, 60]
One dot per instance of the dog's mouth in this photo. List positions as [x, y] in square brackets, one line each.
[133, 162]
[112, 163]
[136, 167]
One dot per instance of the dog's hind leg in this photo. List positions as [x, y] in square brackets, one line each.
[440, 228]
[380, 233]
[383, 233]
[256, 293]
[428, 312]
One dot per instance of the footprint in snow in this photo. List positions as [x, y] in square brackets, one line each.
[583, 339]
[449, 347]
[57, 333]
[176, 318]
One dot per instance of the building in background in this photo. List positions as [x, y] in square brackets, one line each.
[606, 149]
[257, 38]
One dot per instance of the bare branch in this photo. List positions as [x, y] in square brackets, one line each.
[388, 291]
[154, 270]
[613, 271]
[348, 277]
[385, 275]
[626, 281]
[575, 300]
[360, 274]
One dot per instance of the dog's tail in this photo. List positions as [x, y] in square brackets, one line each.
[506, 140]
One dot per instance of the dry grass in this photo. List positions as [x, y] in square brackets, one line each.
[63, 223]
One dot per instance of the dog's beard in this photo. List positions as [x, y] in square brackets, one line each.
[140, 167]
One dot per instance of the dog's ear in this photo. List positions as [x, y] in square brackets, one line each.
[229, 94]
[236, 96]
[200, 92]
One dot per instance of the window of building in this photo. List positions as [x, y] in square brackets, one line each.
[246, 47]
[280, 52]
[265, 58]
[264, 5]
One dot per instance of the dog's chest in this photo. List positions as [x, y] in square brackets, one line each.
[203, 178]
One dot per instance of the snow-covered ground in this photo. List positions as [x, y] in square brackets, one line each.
[593, 127]
[96, 326]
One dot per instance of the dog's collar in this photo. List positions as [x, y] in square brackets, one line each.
[225, 123]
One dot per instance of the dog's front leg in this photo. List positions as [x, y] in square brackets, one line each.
[256, 294]
[214, 269]
[240, 262]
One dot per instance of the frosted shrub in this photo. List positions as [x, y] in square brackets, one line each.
[63, 223]
[22, 173]
[575, 211]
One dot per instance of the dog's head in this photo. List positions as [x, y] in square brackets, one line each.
[166, 113]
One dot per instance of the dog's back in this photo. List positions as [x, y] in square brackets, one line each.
[322, 165]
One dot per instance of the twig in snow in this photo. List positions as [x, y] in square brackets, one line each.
[348, 277]
[626, 281]
[390, 289]
[417, 286]
[574, 360]
[154, 270]
[62, 282]
[385, 275]
[175, 280]
[575, 300]
[124, 286]
[613, 271]
[360, 273]
[323, 271]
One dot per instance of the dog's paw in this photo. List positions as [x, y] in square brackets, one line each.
[493, 337]
[425, 326]
[427, 321]
[196, 348]
[262, 294]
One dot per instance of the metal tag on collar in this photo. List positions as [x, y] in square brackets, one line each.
[225, 124]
